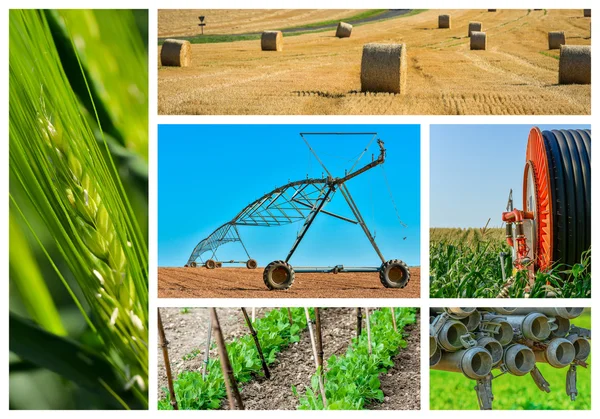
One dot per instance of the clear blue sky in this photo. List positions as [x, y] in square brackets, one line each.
[473, 168]
[208, 173]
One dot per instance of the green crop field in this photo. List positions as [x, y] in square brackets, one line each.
[450, 390]
[465, 263]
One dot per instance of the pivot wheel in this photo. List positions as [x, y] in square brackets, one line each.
[193, 264]
[278, 275]
[394, 274]
[210, 264]
[251, 264]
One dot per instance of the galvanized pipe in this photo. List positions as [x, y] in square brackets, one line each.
[472, 321]
[581, 345]
[455, 312]
[475, 363]
[559, 353]
[563, 326]
[449, 336]
[505, 332]
[435, 358]
[518, 359]
[566, 312]
[533, 325]
[493, 347]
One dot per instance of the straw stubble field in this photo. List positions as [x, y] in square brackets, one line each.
[317, 73]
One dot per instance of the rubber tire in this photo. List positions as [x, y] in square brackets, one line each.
[570, 165]
[210, 264]
[394, 265]
[278, 266]
[193, 264]
[186, 266]
[251, 264]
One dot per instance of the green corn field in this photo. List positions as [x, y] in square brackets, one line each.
[78, 152]
[465, 263]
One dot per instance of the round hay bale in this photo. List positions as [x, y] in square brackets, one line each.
[478, 41]
[474, 27]
[575, 64]
[383, 68]
[271, 41]
[176, 53]
[444, 22]
[556, 39]
[587, 12]
[344, 30]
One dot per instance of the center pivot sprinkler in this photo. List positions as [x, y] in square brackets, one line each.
[297, 201]
[554, 225]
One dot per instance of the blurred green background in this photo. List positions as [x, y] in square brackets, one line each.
[454, 391]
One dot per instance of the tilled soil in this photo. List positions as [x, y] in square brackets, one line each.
[245, 283]
[401, 385]
[294, 366]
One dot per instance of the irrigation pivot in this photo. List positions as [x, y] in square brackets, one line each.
[302, 200]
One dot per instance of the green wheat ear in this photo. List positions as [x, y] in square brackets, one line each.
[76, 191]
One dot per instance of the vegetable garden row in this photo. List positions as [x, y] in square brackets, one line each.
[349, 379]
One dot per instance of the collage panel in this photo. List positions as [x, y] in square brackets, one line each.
[509, 358]
[78, 210]
[289, 211]
[374, 62]
[289, 358]
[510, 211]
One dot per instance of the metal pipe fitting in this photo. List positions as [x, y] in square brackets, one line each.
[581, 345]
[493, 347]
[499, 310]
[472, 321]
[534, 325]
[562, 327]
[566, 312]
[435, 358]
[432, 345]
[455, 312]
[449, 336]
[518, 359]
[505, 332]
[559, 353]
[474, 363]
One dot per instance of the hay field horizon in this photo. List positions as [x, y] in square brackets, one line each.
[317, 73]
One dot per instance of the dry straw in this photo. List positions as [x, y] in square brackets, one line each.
[575, 65]
[271, 41]
[478, 41]
[444, 22]
[556, 39]
[176, 53]
[344, 30]
[383, 68]
[474, 27]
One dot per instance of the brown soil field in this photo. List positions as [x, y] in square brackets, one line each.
[318, 73]
[186, 332]
[173, 22]
[245, 283]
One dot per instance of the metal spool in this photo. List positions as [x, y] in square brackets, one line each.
[557, 189]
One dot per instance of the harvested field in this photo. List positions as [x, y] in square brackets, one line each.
[318, 73]
[244, 283]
